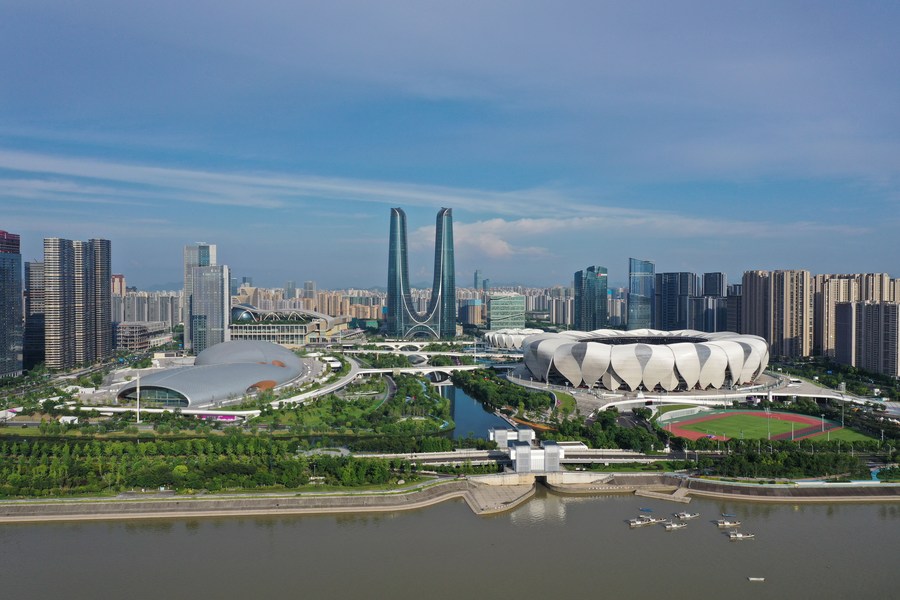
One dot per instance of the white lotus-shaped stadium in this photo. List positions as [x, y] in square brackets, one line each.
[509, 339]
[646, 359]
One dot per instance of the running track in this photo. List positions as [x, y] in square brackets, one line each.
[812, 425]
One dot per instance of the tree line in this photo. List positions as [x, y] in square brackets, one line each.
[236, 461]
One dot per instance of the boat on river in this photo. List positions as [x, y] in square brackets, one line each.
[643, 520]
[756, 579]
[673, 526]
[736, 536]
[685, 516]
[724, 523]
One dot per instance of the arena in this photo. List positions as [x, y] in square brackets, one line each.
[646, 359]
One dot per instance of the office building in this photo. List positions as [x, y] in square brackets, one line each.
[471, 311]
[141, 336]
[33, 351]
[200, 254]
[210, 307]
[715, 285]
[290, 290]
[404, 319]
[11, 328]
[734, 302]
[591, 299]
[506, 311]
[672, 294]
[309, 289]
[478, 280]
[641, 294]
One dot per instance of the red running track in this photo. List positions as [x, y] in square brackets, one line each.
[810, 422]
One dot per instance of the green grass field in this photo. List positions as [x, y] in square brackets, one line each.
[661, 410]
[845, 435]
[565, 402]
[746, 426]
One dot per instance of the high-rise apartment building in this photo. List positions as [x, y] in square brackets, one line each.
[591, 299]
[755, 304]
[672, 294]
[438, 320]
[77, 307]
[10, 305]
[829, 291]
[33, 352]
[118, 287]
[641, 294]
[200, 254]
[791, 307]
[868, 336]
[210, 307]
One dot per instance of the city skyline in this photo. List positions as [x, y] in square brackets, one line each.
[761, 139]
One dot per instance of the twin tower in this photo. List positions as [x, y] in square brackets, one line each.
[403, 317]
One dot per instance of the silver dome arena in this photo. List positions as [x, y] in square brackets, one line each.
[646, 359]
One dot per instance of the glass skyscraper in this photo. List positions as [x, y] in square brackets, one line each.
[439, 318]
[641, 292]
[210, 307]
[591, 311]
[10, 305]
[200, 254]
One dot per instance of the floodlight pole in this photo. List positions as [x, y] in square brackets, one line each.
[139, 398]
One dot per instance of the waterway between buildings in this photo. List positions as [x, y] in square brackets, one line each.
[471, 417]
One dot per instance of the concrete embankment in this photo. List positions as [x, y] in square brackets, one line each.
[681, 489]
[481, 499]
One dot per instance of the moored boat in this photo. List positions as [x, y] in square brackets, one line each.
[672, 526]
[728, 523]
[644, 520]
[684, 516]
[737, 536]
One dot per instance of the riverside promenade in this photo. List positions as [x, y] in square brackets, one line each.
[482, 499]
[484, 494]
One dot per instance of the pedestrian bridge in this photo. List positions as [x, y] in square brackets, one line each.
[446, 370]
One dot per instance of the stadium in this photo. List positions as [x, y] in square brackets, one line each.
[221, 373]
[509, 339]
[646, 359]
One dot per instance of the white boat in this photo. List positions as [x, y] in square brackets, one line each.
[756, 579]
[644, 520]
[671, 526]
[723, 523]
[684, 516]
[737, 535]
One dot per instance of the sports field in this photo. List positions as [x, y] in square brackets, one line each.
[725, 425]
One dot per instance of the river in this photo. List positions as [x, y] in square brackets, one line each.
[552, 546]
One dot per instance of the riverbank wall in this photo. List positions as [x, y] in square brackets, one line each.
[481, 499]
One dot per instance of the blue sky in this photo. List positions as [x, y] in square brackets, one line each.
[705, 136]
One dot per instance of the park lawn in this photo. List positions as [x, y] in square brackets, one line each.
[737, 426]
[844, 435]
[566, 402]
